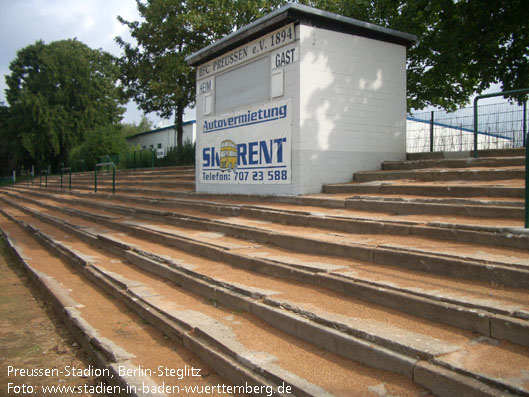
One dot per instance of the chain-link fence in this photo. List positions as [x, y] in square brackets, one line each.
[500, 127]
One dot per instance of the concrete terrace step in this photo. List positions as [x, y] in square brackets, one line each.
[120, 342]
[425, 189]
[177, 170]
[126, 176]
[167, 169]
[468, 162]
[466, 174]
[474, 208]
[427, 292]
[466, 154]
[314, 204]
[170, 170]
[86, 182]
[123, 177]
[493, 265]
[386, 346]
[329, 219]
[240, 346]
[226, 338]
[166, 173]
[107, 182]
[275, 262]
[241, 243]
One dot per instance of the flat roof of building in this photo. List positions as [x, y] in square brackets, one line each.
[168, 127]
[292, 13]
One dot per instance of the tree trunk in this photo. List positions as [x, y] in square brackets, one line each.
[179, 124]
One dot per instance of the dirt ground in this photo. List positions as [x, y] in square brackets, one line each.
[33, 338]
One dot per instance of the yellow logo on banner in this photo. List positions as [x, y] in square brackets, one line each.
[228, 155]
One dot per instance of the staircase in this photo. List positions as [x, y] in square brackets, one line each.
[412, 280]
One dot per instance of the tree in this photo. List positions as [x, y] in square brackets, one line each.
[13, 156]
[130, 129]
[464, 46]
[102, 140]
[6, 159]
[497, 36]
[58, 91]
[154, 71]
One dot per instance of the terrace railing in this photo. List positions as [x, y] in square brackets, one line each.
[503, 93]
[108, 164]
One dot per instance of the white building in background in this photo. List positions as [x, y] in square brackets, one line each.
[163, 138]
[297, 99]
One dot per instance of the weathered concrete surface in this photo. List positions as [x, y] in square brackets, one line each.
[426, 297]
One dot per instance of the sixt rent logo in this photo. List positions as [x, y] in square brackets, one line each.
[253, 155]
[245, 119]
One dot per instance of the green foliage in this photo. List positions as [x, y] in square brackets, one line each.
[6, 160]
[154, 71]
[8, 180]
[105, 140]
[58, 91]
[13, 156]
[180, 155]
[133, 157]
[130, 129]
[463, 47]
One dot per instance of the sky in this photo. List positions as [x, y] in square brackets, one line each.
[93, 22]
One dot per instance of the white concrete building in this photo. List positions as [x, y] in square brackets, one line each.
[163, 138]
[298, 98]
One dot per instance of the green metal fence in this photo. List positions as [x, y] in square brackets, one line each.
[525, 138]
[500, 127]
[108, 164]
[82, 165]
[43, 172]
[141, 151]
[497, 94]
[69, 170]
